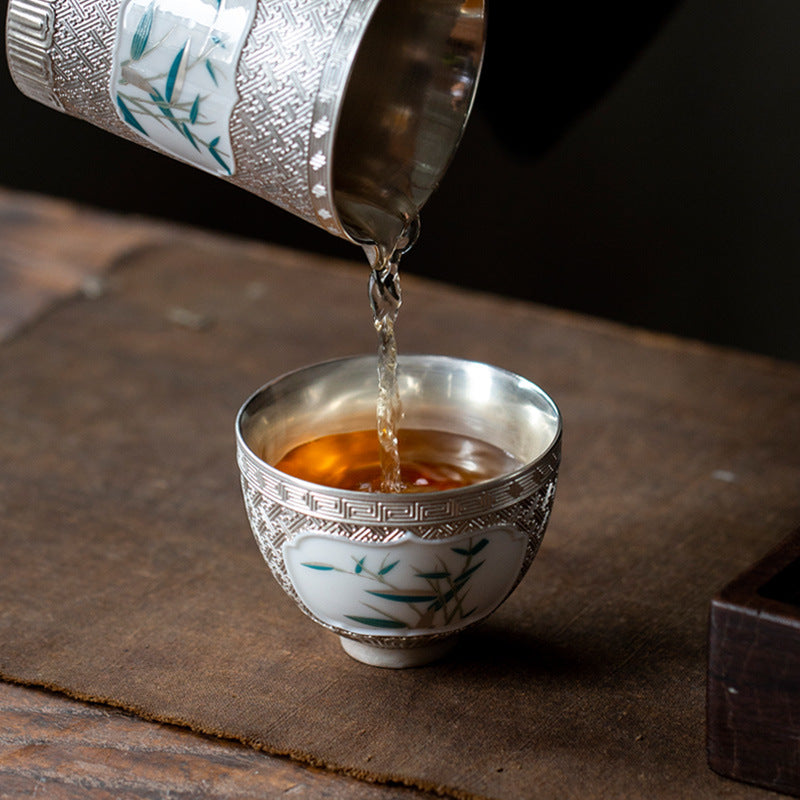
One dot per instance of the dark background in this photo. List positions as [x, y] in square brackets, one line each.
[640, 164]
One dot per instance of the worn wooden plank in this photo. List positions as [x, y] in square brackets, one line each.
[50, 249]
[665, 491]
[62, 749]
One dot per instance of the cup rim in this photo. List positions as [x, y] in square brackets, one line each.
[403, 498]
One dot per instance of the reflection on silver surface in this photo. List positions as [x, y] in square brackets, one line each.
[437, 392]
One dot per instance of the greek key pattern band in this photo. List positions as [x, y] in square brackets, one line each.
[421, 511]
[273, 525]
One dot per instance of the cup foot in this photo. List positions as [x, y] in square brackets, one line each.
[396, 657]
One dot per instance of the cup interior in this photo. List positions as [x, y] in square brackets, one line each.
[407, 100]
[437, 392]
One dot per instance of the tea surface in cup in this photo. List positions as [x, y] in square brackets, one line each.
[430, 460]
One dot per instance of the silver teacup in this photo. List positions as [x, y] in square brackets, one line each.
[398, 576]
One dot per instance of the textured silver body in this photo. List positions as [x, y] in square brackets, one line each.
[30, 28]
[291, 79]
[60, 53]
[439, 393]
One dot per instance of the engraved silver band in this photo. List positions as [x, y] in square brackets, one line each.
[29, 37]
[421, 513]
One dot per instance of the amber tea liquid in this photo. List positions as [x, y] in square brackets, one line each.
[429, 461]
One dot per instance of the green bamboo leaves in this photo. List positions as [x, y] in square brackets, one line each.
[472, 550]
[128, 116]
[378, 622]
[142, 34]
[212, 148]
[152, 89]
[164, 106]
[188, 134]
[436, 600]
[404, 597]
[212, 72]
[177, 74]
[195, 110]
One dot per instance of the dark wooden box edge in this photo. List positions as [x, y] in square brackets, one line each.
[739, 744]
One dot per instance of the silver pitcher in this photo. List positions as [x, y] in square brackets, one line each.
[343, 112]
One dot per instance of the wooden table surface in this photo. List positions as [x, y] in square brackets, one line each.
[52, 746]
[56, 747]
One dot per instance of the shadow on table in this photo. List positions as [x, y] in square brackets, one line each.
[615, 650]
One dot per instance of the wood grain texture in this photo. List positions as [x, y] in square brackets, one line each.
[61, 749]
[589, 681]
[51, 249]
[53, 746]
